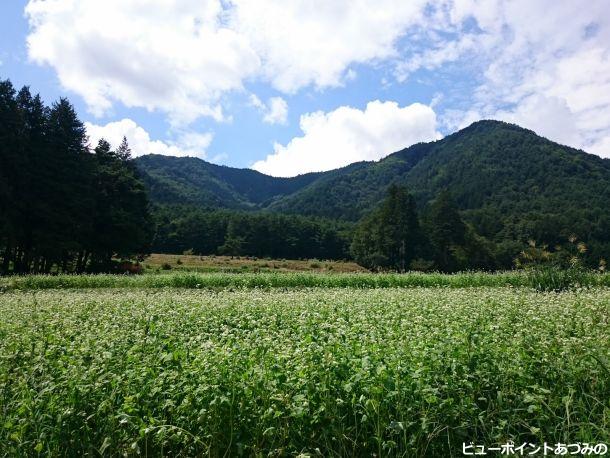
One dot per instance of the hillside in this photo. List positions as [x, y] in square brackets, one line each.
[489, 163]
[508, 181]
[189, 180]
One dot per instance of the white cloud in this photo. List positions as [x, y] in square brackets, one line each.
[347, 135]
[274, 112]
[188, 144]
[277, 111]
[315, 41]
[256, 102]
[182, 56]
[548, 70]
[433, 58]
[542, 63]
[169, 55]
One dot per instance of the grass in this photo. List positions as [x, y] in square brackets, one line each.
[207, 264]
[217, 280]
[323, 371]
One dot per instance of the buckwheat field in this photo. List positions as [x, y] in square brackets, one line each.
[311, 371]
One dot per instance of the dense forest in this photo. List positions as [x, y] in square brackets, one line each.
[223, 232]
[64, 207]
[395, 237]
[475, 200]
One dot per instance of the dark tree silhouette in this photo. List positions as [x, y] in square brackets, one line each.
[61, 207]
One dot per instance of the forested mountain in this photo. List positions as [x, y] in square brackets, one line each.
[490, 164]
[510, 185]
[352, 192]
[173, 180]
[500, 174]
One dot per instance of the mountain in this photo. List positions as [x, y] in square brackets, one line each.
[192, 181]
[507, 180]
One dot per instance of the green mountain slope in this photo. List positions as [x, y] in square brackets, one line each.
[490, 163]
[349, 193]
[508, 181]
[192, 181]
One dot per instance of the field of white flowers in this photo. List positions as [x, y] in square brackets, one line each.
[319, 371]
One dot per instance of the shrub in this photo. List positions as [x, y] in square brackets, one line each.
[557, 270]
[422, 265]
[552, 278]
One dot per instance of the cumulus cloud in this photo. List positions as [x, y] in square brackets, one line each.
[182, 56]
[347, 135]
[188, 144]
[174, 56]
[314, 42]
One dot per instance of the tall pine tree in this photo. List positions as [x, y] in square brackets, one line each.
[61, 206]
[455, 244]
[11, 167]
[389, 238]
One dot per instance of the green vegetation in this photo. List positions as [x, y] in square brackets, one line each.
[393, 238]
[62, 207]
[299, 355]
[220, 232]
[191, 181]
[336, 372]
[470, 201]
[276, 279]
[505, 178]
[509, 185]
[209, 264]
[390, 237]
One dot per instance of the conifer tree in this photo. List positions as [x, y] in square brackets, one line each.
[447, 230]
[10, 157]
[61, 206]
[124, 152]
[390, 236]
[32, 202]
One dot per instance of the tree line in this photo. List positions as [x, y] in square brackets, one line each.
[262, 234]
[64, 207]
[396, 237]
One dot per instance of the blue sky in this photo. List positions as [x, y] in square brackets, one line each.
[293, 86]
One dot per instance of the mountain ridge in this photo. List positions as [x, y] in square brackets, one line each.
[503, 177]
